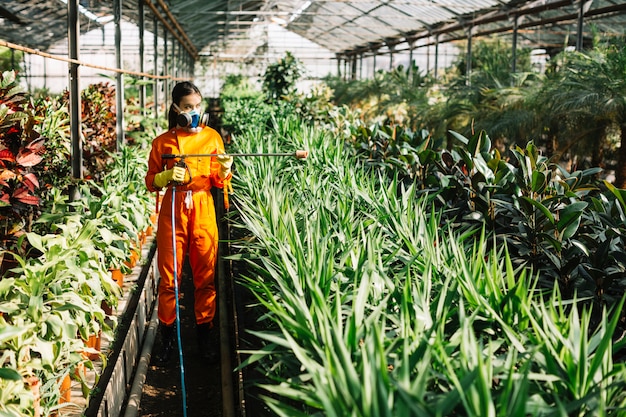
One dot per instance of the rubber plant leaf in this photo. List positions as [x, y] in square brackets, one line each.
[541, 207]
[569, 218]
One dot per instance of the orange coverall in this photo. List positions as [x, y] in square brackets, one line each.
[196, 223]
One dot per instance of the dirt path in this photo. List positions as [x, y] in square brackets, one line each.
[162, 390]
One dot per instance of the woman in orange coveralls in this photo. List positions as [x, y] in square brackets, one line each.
[196, 223]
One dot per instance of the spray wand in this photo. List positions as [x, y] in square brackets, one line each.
[300, 154]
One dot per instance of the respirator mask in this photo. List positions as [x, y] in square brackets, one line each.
[193, 119]
[190, 120]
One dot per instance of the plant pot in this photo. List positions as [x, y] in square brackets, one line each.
[118, 276]
[65, 390]
[108, 309]
[94, 342]
[133, 258]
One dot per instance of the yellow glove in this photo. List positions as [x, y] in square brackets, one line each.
[175, 174]
[225, 161]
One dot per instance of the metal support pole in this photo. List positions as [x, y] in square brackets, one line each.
[175, 61]
[514, 47]
[166, 71]
[428, 55]
[155, 93]
[192, 66]
[180, 68]
[142, 27]
[73, 33]
[436, 69]
[119, 77]
[360, 66]
[353, 71]
[468, 64]
[45, 72]
[584, 6]
[374, 64]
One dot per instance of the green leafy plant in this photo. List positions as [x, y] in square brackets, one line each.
[53, 122]
[387, 291]
[279, 79]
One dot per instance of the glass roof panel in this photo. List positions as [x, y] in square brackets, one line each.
[342, 26]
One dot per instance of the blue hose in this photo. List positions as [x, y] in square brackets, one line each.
[180, 346]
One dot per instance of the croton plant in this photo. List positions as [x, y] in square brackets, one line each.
[21, 148]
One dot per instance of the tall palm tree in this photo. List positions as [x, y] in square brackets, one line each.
[590, 95]
[491, 98]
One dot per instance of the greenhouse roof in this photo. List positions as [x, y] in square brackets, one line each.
[227, 27]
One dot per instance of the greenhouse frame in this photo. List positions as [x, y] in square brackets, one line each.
[415, 208]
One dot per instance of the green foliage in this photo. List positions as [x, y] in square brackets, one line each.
[491, 62]
[314, 106]
[586, 96]
[551, 220]
[98, 127]
[253, 114]
[397, 96]
[52, 301]
[246, 108]
[279, 79]
[10, 60]
[55, 295]
[53, 122]
[236, 87]
[375, 300]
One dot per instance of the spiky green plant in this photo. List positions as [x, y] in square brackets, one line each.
[373, 306]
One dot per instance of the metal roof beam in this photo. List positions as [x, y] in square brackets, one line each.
[10, 16]
[186, 43]
[500, 16]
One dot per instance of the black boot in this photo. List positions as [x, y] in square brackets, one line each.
[168, 344]
[206, 342]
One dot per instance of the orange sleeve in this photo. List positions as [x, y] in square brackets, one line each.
[163, 144]
[218, 146]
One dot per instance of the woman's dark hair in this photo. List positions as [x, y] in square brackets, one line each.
[179, 91]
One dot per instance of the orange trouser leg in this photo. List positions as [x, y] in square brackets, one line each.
[196, 231]
[165, 254]
[203, 256]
